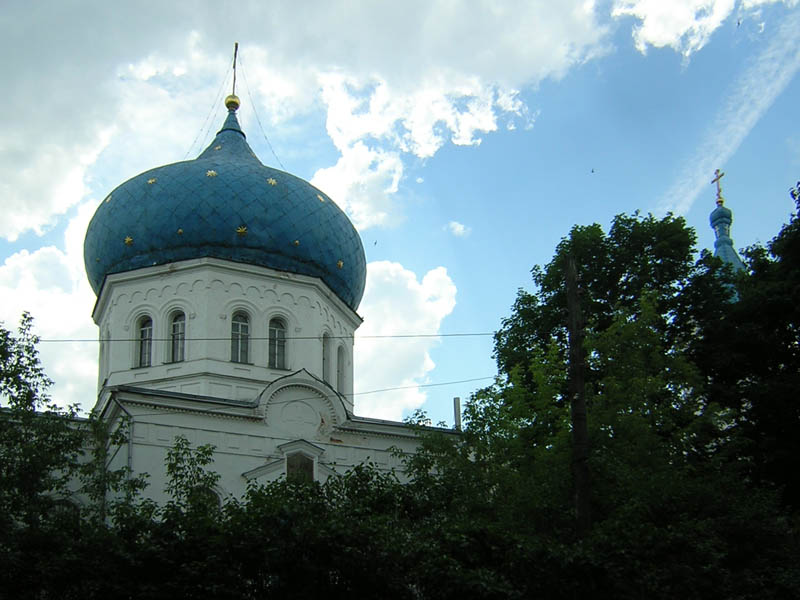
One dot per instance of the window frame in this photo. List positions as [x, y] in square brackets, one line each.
[240, 337]
[144, 342]
[341, 375]
[300, 467]
[326, 357]
[276, 344]
[177, 339]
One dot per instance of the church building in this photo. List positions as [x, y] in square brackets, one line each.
[227, 294]
[721, 219]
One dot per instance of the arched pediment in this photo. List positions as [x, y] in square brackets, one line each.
[300, 406]
[280, 467]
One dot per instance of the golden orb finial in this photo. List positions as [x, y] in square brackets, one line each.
[232, 102]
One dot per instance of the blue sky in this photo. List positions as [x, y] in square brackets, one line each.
[463, 139]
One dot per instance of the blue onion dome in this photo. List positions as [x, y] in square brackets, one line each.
[722, 215]
[721, 218]
[226, 204]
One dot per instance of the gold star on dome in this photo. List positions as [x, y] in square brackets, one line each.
[241, 230]
[272, 181]
[321, 199]
[128, 240]
[211, 173]
[217, 147]
[108, 198]
[296, 242]
[152, 180]
[340, 264]
[180, 231]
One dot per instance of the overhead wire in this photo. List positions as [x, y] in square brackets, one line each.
[336, 395]
[255, 112]
[214, 107]
[205, 127]
[261, 338]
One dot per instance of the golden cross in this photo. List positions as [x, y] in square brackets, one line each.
[719, 175]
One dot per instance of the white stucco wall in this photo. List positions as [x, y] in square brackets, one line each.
[251, 443]
[209, 291]
[254, 415]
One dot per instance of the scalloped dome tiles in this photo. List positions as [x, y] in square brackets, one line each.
[226, 204]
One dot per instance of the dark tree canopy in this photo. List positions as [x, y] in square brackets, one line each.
[691, 374]
[687, 432]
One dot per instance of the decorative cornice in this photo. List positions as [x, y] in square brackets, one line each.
[225, 267]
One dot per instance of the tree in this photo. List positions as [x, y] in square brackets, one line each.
[752, 360]
[38, 458]
[54, 482]
[672, 499]
[38, 448]
[689, 388]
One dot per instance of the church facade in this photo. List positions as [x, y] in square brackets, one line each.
[226, 304]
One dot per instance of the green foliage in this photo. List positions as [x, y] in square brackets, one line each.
[190, 484]
[749, 353]
[763, 335]
[691, 382]
[38, 446]
[672, 458]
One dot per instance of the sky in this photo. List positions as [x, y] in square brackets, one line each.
[463, 139]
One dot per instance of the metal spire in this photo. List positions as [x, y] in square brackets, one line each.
[232, 102]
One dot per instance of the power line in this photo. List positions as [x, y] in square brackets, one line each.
[207, 123]
[256, 339]
[422, 385]
[336, 395]
[255, 112]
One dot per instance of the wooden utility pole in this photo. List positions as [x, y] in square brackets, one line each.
[577, 397]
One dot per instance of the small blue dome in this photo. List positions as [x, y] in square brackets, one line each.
[721, 214]
[226, 204]
[721, 219]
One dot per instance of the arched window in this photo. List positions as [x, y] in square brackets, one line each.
[240, 338]
[177, 351]
[326, 358]
[205, 497]
[145, 342]
[340, 370]
[277, 344]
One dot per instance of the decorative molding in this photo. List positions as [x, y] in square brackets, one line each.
[302, 446]
[267, 469]
[314, 391]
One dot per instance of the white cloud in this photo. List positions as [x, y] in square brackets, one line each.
[751, 4]
[421, 121]
[125, 86]
[686, 26]
[373, 126]
[458, 229]
[51, 285]
[117, 88]
[750, 96]
[45, 183]
[363, 183]
[395, 303]
[683, 25]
